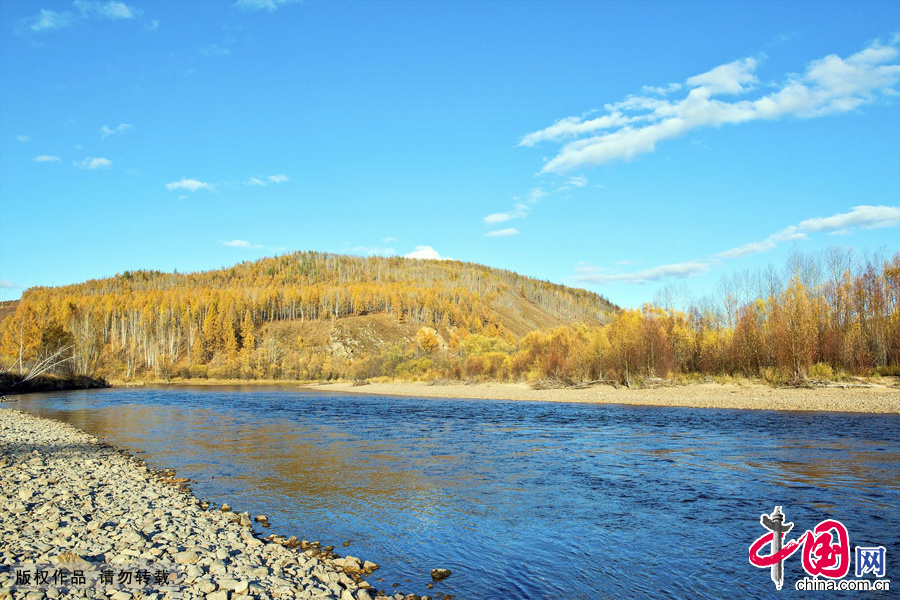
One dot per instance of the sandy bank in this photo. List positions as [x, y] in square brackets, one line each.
[705, 395]
[64, 493]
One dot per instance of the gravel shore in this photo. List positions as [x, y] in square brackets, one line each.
[67, 498]
[703, 395]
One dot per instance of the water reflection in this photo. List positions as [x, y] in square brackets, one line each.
[520, 500]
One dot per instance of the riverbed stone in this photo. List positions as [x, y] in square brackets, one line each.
[186, 558]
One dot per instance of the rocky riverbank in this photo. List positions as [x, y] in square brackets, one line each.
[66, 498]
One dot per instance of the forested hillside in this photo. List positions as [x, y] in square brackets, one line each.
[309, 316]
[305, 315]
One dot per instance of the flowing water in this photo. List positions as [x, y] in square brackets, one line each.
[518, 499]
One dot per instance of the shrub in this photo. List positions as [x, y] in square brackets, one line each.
[821, 370]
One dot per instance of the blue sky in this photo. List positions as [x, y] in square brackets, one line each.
[615, 146]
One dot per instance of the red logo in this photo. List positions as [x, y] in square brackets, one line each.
[826, 549]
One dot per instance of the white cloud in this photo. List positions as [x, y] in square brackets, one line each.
[46, 158]
[866, 217]
[106, 131]
[215, 51]
[191, 185]
[47, 20]
[84, 10]
[503, 232]
[577, 181]
[830, 85]
[23, 138]
[93, 163]
[788, 234]
[661, 91]
[264, 180]
[6, 284]
[677, 270]
[269, 5]
[733, 78]
[240, 244]
[426, 253]
[572, 127]
[105, 10]
[519, 211]
[535, 195]
[749, 248]
[388, 240]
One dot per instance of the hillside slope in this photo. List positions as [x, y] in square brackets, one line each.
[301, 315]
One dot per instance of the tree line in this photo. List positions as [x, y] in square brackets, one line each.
[820, 316]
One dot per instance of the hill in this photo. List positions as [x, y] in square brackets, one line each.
[305, 315]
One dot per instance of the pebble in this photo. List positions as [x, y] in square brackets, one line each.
[186, 558]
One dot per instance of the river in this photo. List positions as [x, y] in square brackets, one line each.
[517, 499]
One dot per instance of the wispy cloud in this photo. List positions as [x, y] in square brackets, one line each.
[535, 195]
[676, 270]
[46, 158]
[105, 10]
[862, 217]
[264, 180]
[519, 211]
[6, 284]
[787, 234]
[634, 126]
[571, 127]
[388, 240]
[93, 163]
[48, 20]
[122, 128]
[82, 10]
[426, 253]
[503, 232]
[215, 51]
[241, 244]
[865, 217]
[267, 5]
[23, 138]
[191, 185]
